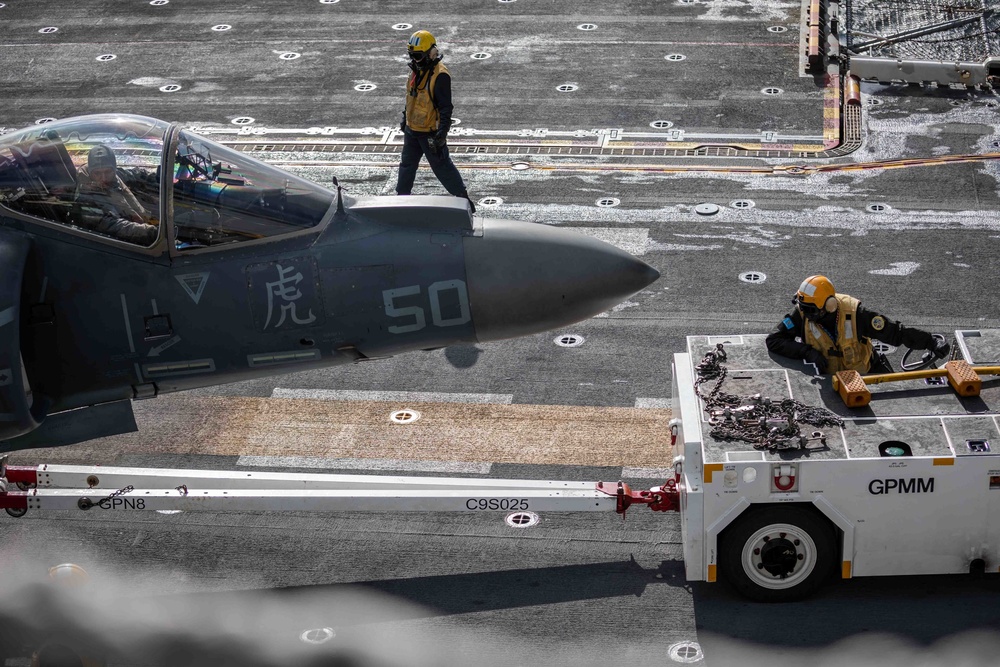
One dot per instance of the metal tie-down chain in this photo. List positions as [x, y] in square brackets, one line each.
[766, 424]
[86, 503]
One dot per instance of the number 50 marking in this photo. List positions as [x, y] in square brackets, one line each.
[417, 312]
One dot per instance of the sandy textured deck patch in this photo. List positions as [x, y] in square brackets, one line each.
[536, 434]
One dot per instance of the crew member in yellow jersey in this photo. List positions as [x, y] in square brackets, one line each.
[427, 119]
[834, 331]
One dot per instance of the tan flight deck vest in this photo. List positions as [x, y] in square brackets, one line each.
[421, 114]
[857, 355]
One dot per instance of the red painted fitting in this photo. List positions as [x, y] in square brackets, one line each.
[23, 474]
[14, 500]
[784, 487]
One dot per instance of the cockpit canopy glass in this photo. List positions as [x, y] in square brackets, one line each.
[222, 196]
[101, 175]
[94, 173]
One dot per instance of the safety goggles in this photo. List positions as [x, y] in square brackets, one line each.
[807, 309]
[418, 56]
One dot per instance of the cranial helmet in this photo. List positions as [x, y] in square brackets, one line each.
[420, 45]
[815, 296]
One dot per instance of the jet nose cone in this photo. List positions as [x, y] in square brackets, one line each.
[524, 278]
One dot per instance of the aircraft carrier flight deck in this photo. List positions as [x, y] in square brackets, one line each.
[736, 146]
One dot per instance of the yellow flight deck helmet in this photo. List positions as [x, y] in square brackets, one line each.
[420, 45]
[816, 294]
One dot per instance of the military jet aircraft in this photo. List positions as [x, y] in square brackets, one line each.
[117, 282]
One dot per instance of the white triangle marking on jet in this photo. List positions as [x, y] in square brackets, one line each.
[193, 284]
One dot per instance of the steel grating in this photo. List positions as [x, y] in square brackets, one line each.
[938, 30]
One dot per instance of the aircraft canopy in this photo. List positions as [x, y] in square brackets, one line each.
[101, 175]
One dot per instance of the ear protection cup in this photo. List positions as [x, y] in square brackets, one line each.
[831, 304]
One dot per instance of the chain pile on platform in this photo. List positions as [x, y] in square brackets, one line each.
[756, 419]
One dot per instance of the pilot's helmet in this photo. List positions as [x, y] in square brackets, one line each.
[420, 45]
[101, 157]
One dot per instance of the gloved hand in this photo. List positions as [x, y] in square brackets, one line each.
[814, 356]
[432, 144]
[402, 125]
[941, 348]
[441, 138]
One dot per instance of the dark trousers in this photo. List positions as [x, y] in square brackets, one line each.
[415, 147]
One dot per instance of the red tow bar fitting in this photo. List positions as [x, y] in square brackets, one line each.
[15, 502]
[22, 474]
[667, 499]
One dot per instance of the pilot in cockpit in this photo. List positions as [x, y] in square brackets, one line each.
[106, 203]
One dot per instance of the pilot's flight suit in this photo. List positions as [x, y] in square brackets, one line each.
[113, 210]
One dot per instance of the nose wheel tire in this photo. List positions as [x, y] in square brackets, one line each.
[778, 554]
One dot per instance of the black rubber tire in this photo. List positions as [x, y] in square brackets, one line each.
[767, 541]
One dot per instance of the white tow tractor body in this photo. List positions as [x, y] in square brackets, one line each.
[909, 484]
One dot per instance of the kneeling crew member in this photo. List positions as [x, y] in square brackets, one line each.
[835, 331]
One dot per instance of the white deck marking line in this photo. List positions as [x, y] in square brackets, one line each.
[392, 396]
[452, 467]
[653, 403]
